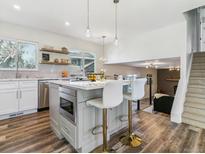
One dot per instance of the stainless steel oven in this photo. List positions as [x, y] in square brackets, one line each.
[68, 104]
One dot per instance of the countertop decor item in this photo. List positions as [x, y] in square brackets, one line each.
[65, 73]
[56, 60]
[92, 77]
[64, 49]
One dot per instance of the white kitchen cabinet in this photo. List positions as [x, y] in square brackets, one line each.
[54, 107]
[89, 117]
[28, 95]
[9, 97]
[17, 98]
[114, 116]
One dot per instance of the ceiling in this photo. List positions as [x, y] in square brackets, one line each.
[136, 16]
[160, 63]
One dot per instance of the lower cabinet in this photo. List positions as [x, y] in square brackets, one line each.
[54, 104]
[28, 95]
[9, 101]
[89, 117]
[115, 117]
[69, 131]
[17, 98]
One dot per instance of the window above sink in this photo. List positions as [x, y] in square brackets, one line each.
[23, 53]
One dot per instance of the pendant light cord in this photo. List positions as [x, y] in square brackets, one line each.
[103, 39]
[116, 28]
[88, 14]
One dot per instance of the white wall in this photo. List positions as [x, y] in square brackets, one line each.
[51, 39]
[166, 42]
[162, 43]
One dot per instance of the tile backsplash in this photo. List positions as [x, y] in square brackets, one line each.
[44, 71]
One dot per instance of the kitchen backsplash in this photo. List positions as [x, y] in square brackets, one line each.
[44, 71]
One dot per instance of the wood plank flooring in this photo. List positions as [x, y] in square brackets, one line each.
[32, 133]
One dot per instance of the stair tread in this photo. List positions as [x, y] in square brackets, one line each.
[199, 54]
[196, 95]
[198, 109]
[197, 75]
[198, 91]
[194, 110]
[195, 71]
[197, 86]
[195, 100]
[192, 116]
[198, 64]
[195, 105]
[193, 122]
[197, 78]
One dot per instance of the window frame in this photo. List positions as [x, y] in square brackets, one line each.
[83, 57]
[22, 41]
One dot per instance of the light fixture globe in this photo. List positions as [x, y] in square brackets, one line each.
[103, 59]
[116, 42]
[88, 33]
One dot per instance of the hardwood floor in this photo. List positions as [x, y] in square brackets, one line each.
[32, 133]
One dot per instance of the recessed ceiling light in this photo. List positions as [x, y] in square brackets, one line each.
[17, 7]
[67, 23]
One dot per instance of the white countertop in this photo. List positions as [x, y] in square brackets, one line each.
[85, 85]
[30, 79]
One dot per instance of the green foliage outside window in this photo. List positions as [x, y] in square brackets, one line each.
[13, 52]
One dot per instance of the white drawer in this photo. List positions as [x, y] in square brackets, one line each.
[28, 84]
[8, 85]
[68, 130]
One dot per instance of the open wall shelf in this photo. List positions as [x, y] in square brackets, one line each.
[54, 51]
[54, 63]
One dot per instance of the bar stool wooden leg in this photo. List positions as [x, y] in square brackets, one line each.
[105, 149]
[130, 117]
[132, 139]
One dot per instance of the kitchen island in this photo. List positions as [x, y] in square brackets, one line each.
[82, 125]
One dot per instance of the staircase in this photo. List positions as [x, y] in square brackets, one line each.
[194, 107]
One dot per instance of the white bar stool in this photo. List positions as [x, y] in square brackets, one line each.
[137, 93]
[112, 97]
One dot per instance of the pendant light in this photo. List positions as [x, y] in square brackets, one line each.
[103, 44]
[88, 32]
[116, 22]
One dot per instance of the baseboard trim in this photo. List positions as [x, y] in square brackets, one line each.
[17, 114]
[43, 109]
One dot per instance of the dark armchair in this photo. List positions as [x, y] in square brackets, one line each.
[163, 104]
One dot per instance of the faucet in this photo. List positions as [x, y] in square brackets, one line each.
[17, 67]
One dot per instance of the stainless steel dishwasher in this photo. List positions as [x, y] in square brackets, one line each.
[43, 95]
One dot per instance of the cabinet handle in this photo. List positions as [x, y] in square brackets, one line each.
[94, 130]
[17, 94]
[20, 94]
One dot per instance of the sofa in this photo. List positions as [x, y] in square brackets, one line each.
[163, 103]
